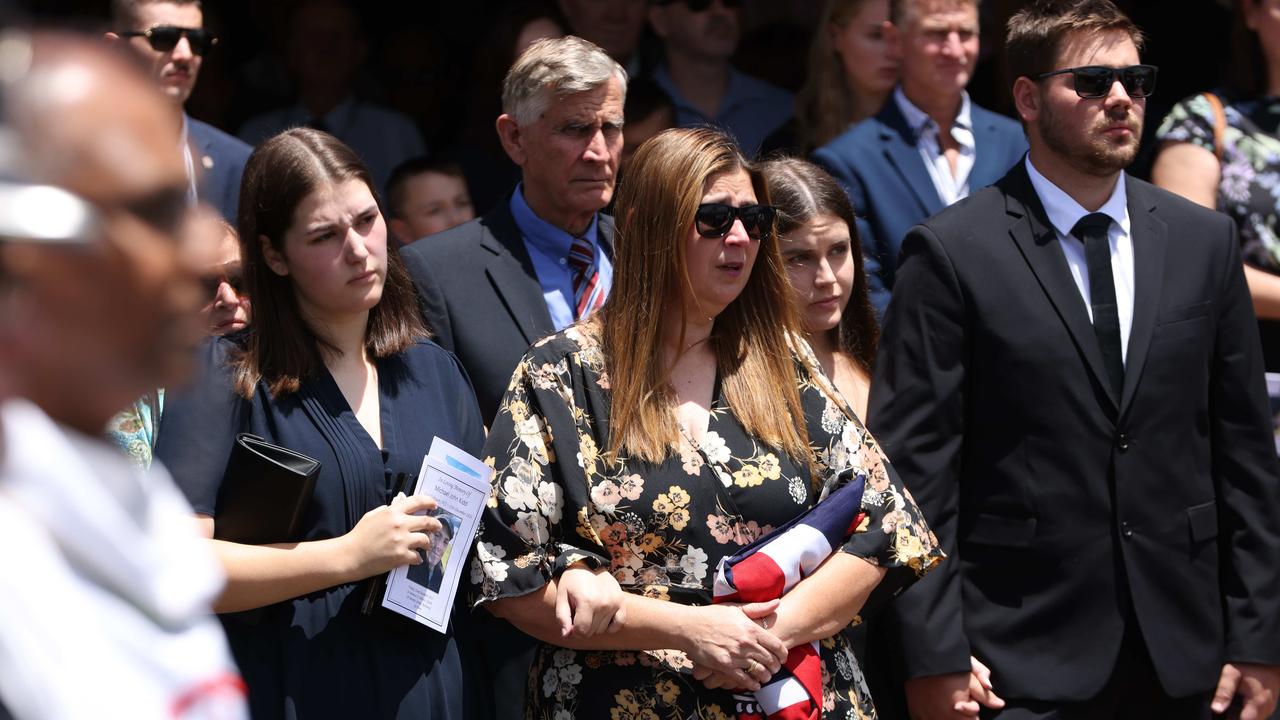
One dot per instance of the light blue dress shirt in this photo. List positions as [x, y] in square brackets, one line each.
[750, 111]
[548, 248]
[381, 137]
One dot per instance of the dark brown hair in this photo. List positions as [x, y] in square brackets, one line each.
[802, 191]
[665, 184]
[282, 348]
[1036, 33]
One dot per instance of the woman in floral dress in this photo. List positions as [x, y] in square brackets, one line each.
[1228, 157]
[667, 431]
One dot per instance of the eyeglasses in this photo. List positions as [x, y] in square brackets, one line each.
[1095, 81]
[231, 274]
[714, 220]
[702, 5]
[163, 38]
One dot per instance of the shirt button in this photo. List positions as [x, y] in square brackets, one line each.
[563, 262]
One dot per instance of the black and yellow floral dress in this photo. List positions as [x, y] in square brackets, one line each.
[662, 528]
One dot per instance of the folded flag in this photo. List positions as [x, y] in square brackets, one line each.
[767, 569]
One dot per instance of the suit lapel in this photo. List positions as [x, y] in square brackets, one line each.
[512, 275]
[985, 170]
[1148, 234]
[899, 142]
[1038, 241]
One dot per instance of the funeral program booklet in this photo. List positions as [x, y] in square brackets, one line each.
[460, 485]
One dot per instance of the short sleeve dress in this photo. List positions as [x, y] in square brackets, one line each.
[318, 656]
[1249, 189]
[662, 528]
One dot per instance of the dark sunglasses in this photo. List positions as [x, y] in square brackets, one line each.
[701, 5]
[714, 220]
[232, 275]
[163, 38]
[1095, 81]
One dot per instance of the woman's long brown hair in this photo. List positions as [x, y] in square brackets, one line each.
[282, 348]
[664, 185]
[802, 191]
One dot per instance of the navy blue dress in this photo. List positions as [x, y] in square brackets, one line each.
[317, 656]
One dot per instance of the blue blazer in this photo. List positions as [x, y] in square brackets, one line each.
[219, 160]
[879, 165]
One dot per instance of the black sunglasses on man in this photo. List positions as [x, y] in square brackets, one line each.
[1095, 81]
[163, 38]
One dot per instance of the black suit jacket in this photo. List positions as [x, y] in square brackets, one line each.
[220, 159]
[1060, 503]
[481, 297]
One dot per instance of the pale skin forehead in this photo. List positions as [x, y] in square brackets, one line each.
[95, 127]
[603, 102]
[938, 14]
[167, 13]
[1114, 47]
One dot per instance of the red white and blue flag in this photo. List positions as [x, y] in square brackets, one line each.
[767, 569]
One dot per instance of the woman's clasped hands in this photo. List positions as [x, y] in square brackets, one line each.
[730, 645]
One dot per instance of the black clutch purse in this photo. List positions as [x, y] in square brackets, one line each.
[265, 493]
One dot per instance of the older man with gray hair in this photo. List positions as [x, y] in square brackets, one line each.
[539, 260]
[542, 258]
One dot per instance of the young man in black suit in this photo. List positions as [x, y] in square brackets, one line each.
[1071, 384]
[541, 259]
[169, 37]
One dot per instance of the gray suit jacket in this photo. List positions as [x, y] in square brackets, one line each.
[481, 297]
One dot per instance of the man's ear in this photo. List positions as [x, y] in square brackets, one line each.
[111, 37]
[512, 138]
[400, 230]
[274, 258]
[1026, 99]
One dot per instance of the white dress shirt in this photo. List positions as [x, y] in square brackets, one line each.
[1064, 212]
[950, 187]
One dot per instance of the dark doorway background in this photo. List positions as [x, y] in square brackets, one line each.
[421, 54]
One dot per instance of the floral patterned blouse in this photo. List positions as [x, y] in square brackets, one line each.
[662, 528]
[1249, 190]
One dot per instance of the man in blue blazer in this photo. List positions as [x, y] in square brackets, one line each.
[929, 146]
[169, 37]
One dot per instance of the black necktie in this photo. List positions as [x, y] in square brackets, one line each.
[1092, 231]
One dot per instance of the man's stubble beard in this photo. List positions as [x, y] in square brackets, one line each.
[1092, 154]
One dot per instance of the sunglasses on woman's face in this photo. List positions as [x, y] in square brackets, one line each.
[715, 220]
[163, 38]
[232, 275]
[1095, 81]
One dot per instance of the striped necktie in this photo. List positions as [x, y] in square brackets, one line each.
[588, 293]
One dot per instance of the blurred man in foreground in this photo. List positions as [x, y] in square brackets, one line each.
[104, 587]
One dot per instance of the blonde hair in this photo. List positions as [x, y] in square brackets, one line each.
[825, 106]
[656, 204]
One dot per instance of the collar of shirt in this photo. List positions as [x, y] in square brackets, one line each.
[540, 235]
[924, 126]
[189, 162]
[1064, 212]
